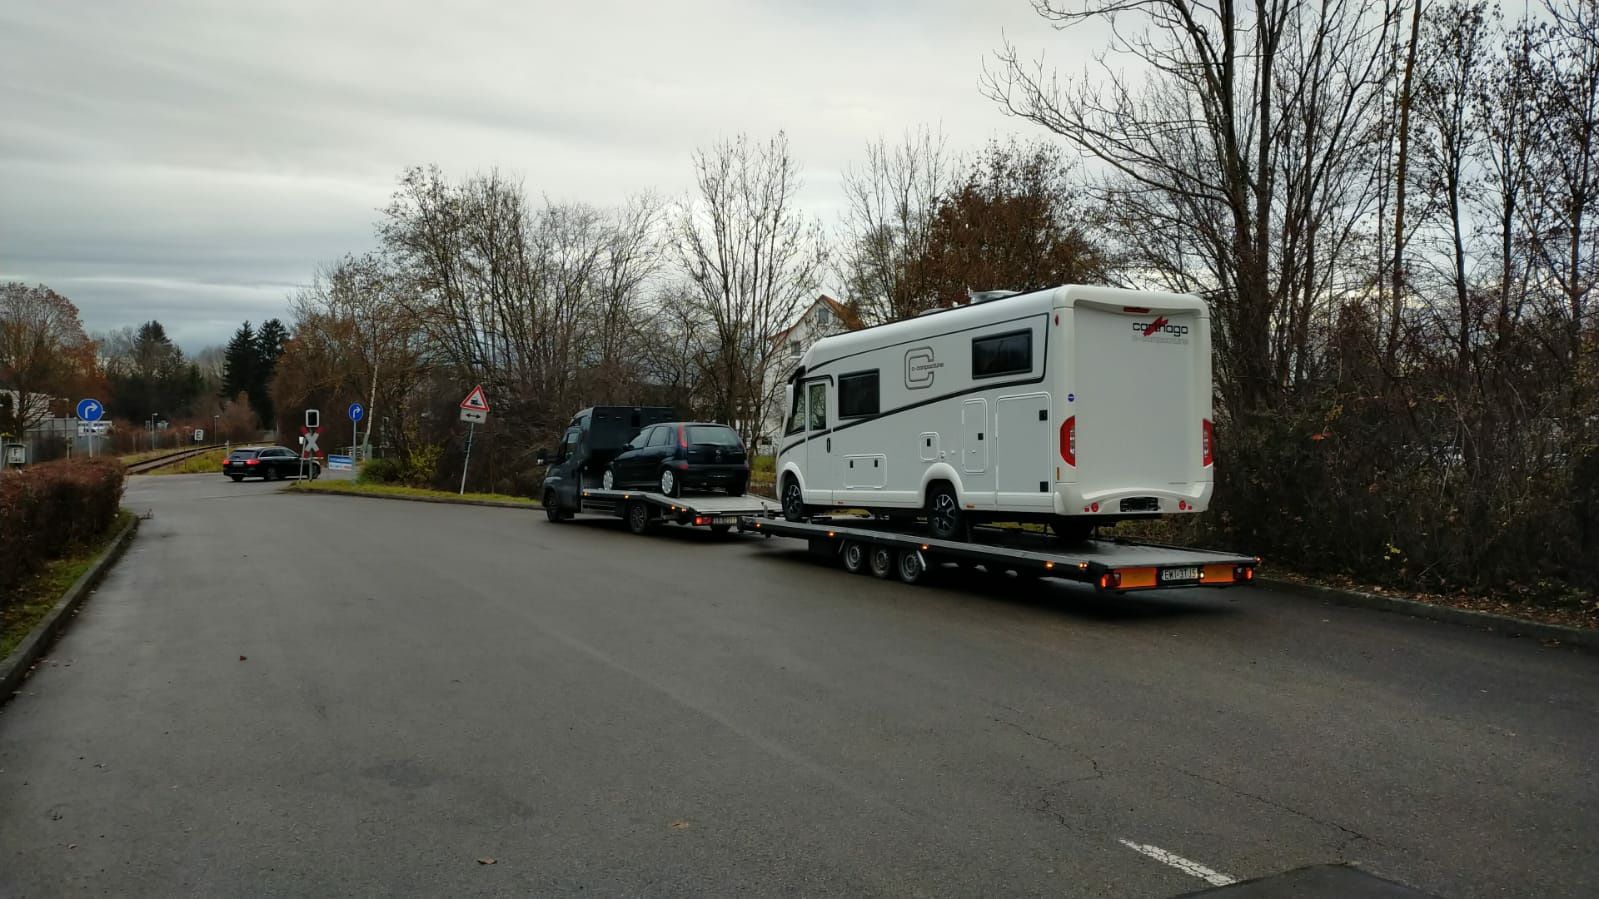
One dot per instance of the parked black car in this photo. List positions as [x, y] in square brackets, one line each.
[269, 464]
[677, 456]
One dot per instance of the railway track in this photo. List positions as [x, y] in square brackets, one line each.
[149, 465]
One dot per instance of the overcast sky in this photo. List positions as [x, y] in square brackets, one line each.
[193, 162]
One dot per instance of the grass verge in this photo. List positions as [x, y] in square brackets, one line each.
[357, 489]
[205, 463]
[36, 596]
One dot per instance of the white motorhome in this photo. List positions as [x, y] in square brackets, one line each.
[1077, 406]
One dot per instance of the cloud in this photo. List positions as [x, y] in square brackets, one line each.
[193, 161]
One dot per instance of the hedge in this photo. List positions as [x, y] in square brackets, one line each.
[47, 509]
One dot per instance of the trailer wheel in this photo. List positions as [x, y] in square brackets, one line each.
[638, 518]
[881, 561]
[854, 557]
[911, 566]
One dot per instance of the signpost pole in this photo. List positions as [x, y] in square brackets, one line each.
[471, 427]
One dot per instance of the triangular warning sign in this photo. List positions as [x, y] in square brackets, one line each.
[476, 400]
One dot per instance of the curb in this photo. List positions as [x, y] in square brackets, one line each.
[492, 503]
[1510, 627]
[14, 668]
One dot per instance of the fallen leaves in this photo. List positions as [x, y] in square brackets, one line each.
[486, 860]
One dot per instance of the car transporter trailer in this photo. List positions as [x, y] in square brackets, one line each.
[1110, 565]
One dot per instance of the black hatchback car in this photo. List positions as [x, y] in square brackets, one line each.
[269, 463]
[677, 456]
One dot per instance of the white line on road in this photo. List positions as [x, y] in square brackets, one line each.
[1191, 868]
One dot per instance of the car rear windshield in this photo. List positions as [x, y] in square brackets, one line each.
[243, 454]
[701, 435]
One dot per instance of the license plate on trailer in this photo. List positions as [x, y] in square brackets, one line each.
[1173, 575]
[724, 519]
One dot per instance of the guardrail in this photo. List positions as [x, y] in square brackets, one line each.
[171, 458]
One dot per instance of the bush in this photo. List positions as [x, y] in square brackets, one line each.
[47, 509]
[381, 471]
[422, 465]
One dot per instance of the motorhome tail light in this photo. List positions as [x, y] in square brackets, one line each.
[1136, 310]
[1094, 507]
[1068, 440]
[1207, 440]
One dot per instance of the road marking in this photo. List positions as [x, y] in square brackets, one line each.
[1191, 868]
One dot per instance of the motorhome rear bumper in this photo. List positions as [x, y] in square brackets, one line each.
[1141, 501]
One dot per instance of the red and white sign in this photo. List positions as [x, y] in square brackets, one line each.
[475, 400]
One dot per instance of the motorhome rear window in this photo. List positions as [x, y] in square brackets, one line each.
[858, 395]
[1002, 354]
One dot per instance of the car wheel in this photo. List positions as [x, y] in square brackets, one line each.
[881, 561]
[944, 518]
[552, 507]
[236, 477]
[854, 555]
[669, 484]
[911, 566]
[316, 472]
[271, 474]
[638, 518]
[608, 480]
[793, 500]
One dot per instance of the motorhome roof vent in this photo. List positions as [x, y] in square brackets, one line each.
[984, 296]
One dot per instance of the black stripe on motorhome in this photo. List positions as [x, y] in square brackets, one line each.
[980, 388]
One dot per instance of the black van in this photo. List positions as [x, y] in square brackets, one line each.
[595, 437]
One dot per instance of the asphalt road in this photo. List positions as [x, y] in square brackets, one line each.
[295, 695]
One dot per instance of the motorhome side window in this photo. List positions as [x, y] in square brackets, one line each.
[1002, 354]
[817, 396]
[796, 415]
[858, 395]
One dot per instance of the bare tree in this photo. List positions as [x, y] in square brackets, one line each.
[892, 198]
[1235, 103]
[43, 351]
[752, 258]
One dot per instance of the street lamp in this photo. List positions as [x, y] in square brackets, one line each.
[214, 434]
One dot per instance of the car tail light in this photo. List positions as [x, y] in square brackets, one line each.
[1207, 438]
[252, 461]
[1068, 440]
[682, 437]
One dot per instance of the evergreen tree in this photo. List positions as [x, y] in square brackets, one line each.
[239, 363]
[269, 343]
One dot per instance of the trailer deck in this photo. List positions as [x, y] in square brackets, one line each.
[642, 509]
[1114, 565]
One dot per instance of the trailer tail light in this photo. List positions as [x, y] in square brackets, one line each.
[1207, 441]
[701, 519]
[1068, 440]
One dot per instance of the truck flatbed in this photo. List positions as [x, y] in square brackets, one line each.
[1113, 565]
[643, 510]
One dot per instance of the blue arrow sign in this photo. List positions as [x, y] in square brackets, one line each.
[356, 411]
[90, 410]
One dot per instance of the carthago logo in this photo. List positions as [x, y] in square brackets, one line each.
[1162, 327]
